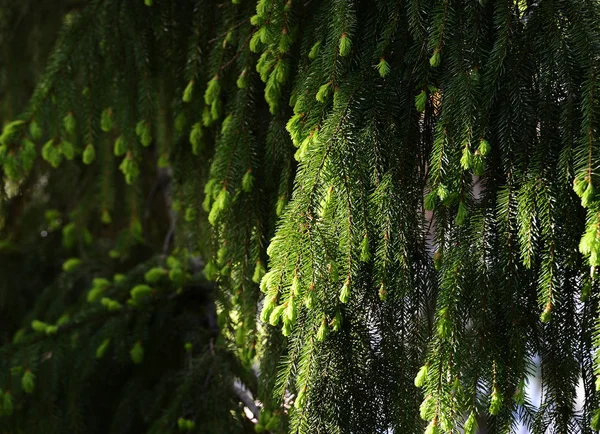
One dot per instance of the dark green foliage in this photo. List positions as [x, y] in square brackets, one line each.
[389, 207]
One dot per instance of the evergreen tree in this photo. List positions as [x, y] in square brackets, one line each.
[335, 216]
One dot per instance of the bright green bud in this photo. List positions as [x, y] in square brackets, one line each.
[432, 428]
[70, 123]
[345, 292]
[273, 94]
[129, 168]
[427, 408]
[196, 135]
[281, 71]
[466, 160]
[286, 329]
[324, 92]
[267, 281]
[221, 203]
[188, 347]
[139, 292]
[28, 382]
[182, 423]
[365, 252]
[579, 186]
[285, 41]
[139, 127]
[430, 200]
[163, 161]
[442, 192]
[247, 182]
[137, 353]
[153, 275]
[51, 153]
[588, 195]
[176, 276]
[276, 314]
[119, 278]
[322, 332]
[314, 51]
[35, 131]
[242, 81]
[28, 155]
[336, 323]
[495, 402]
[267, 310]
[63, 319]
[301, 398]
[188, 92]
[223, 254]
[421, 101]
[519, 396]
[135, 229]
[383, 67]
[110, 304]
[146, 136]
[223, 199]
[345, 45]
[89, 154]
[100, 282]
[256, 37]
[227, 123]
[102, 348]
[546, 315]
[51, 330]
[262, 8]
[589, 240]
[294, 128]
[213, 89]
[148, 3]
[94, 294]
[190, 214]
[291, 312]
[180, 122]
[259, 272]
[67, 149]
[190, 425]
[310, 299]
[295, 287]
[382, 292]
[71, 264]
[422, 376]
[6, 404]
[10, 131]
[484, 147]
[436, 59]
[461, 215]
[106, 120]
[478, 164]
[39, 326]
[106, 218]
[471, 424]
[120, 147]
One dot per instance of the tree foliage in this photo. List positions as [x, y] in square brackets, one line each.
[349, 216]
